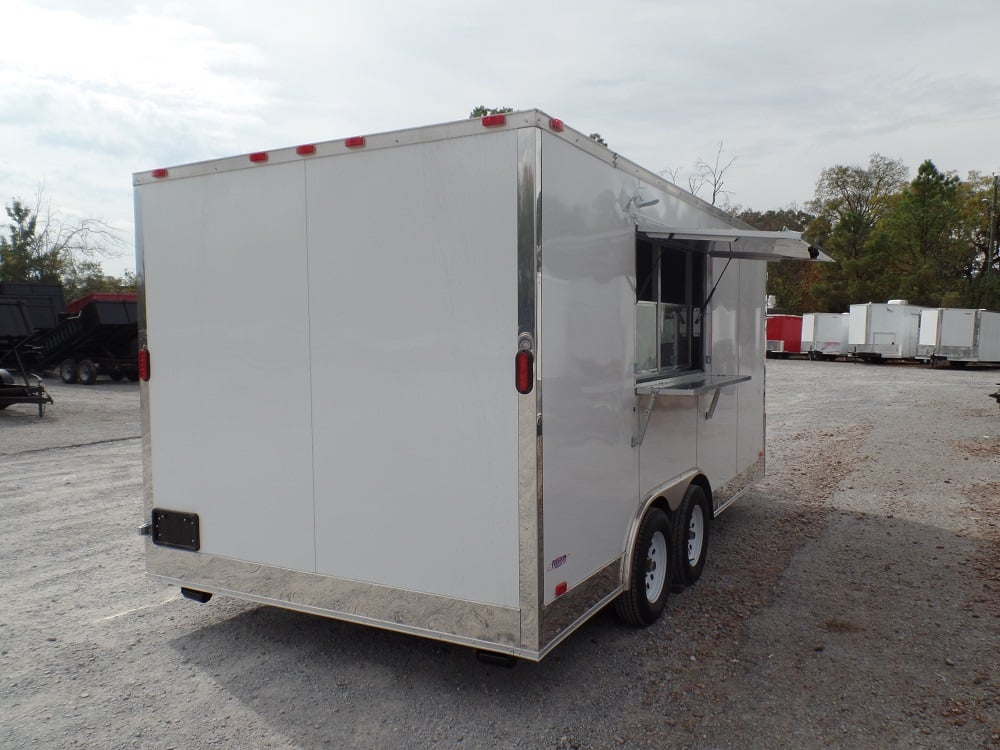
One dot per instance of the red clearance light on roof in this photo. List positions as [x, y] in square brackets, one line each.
[158, 173]
[524, 371]
[556, 124]
[355, 142]
[144, 364]
[306, 149]
[493, 121]
[258, 156]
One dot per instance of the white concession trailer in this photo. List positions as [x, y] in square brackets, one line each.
[878, 331]
[960, 336]
[824, 335]
[472, 381]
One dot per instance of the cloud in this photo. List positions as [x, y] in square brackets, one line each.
[77, 82]
[93, 90]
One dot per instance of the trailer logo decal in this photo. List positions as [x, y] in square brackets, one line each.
[558, 562]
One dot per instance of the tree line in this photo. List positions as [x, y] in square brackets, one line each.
[37, 246]
[930, 240]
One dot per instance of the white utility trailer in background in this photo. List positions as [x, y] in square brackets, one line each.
[472, 381]
[824, 335]
[959, 336]
[879, 331]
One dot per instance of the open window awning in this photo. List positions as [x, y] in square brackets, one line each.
[749, 244]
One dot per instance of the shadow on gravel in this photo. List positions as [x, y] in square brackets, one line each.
[325, 683]
[812, 626]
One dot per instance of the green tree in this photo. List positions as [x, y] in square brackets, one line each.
[597, 137]
[919, 243]
[39, 247]
[980, 230]
[790, 282]
[24, 253]
[848, 204]
[482, 111]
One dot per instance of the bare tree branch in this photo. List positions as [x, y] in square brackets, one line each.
[714, 174]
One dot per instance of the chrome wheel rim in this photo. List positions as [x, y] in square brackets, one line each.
[696, 535]
[656, 567]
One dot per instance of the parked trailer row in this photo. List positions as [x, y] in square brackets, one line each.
[959, 336]
[92, 336]
[566, 390]
[895, 330]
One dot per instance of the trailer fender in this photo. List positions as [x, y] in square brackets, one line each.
[667, 497]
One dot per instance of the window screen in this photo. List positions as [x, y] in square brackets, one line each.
[670, 288]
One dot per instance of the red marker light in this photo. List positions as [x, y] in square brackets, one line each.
[355, 142]
[556, 124]
[144, 371]
[258, 156]
[158, 173]
[306, 149]
[494, 121]
[561, 588]
[524, 371]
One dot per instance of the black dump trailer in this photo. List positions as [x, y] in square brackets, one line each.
[15, 328]
[98, 335]
[94, 335]
[44, 306]
[44, 303]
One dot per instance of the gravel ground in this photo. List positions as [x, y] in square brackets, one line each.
[850, 600]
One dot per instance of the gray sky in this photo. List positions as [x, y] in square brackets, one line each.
[94, 90]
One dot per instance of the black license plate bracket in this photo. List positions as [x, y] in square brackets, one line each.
[173, 528]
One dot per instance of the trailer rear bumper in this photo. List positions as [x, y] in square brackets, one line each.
[474, 624]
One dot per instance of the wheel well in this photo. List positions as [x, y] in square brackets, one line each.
[702, 481]
[661, 502]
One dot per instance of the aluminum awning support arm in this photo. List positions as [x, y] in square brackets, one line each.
[742, 244]
[647, 412]
[715, 402]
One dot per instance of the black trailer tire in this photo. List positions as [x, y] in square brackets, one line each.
[67, 371]
[116, 376]
[86, 372]
[3, 406]
[691, 527]
[649, 576]
[132, 376]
